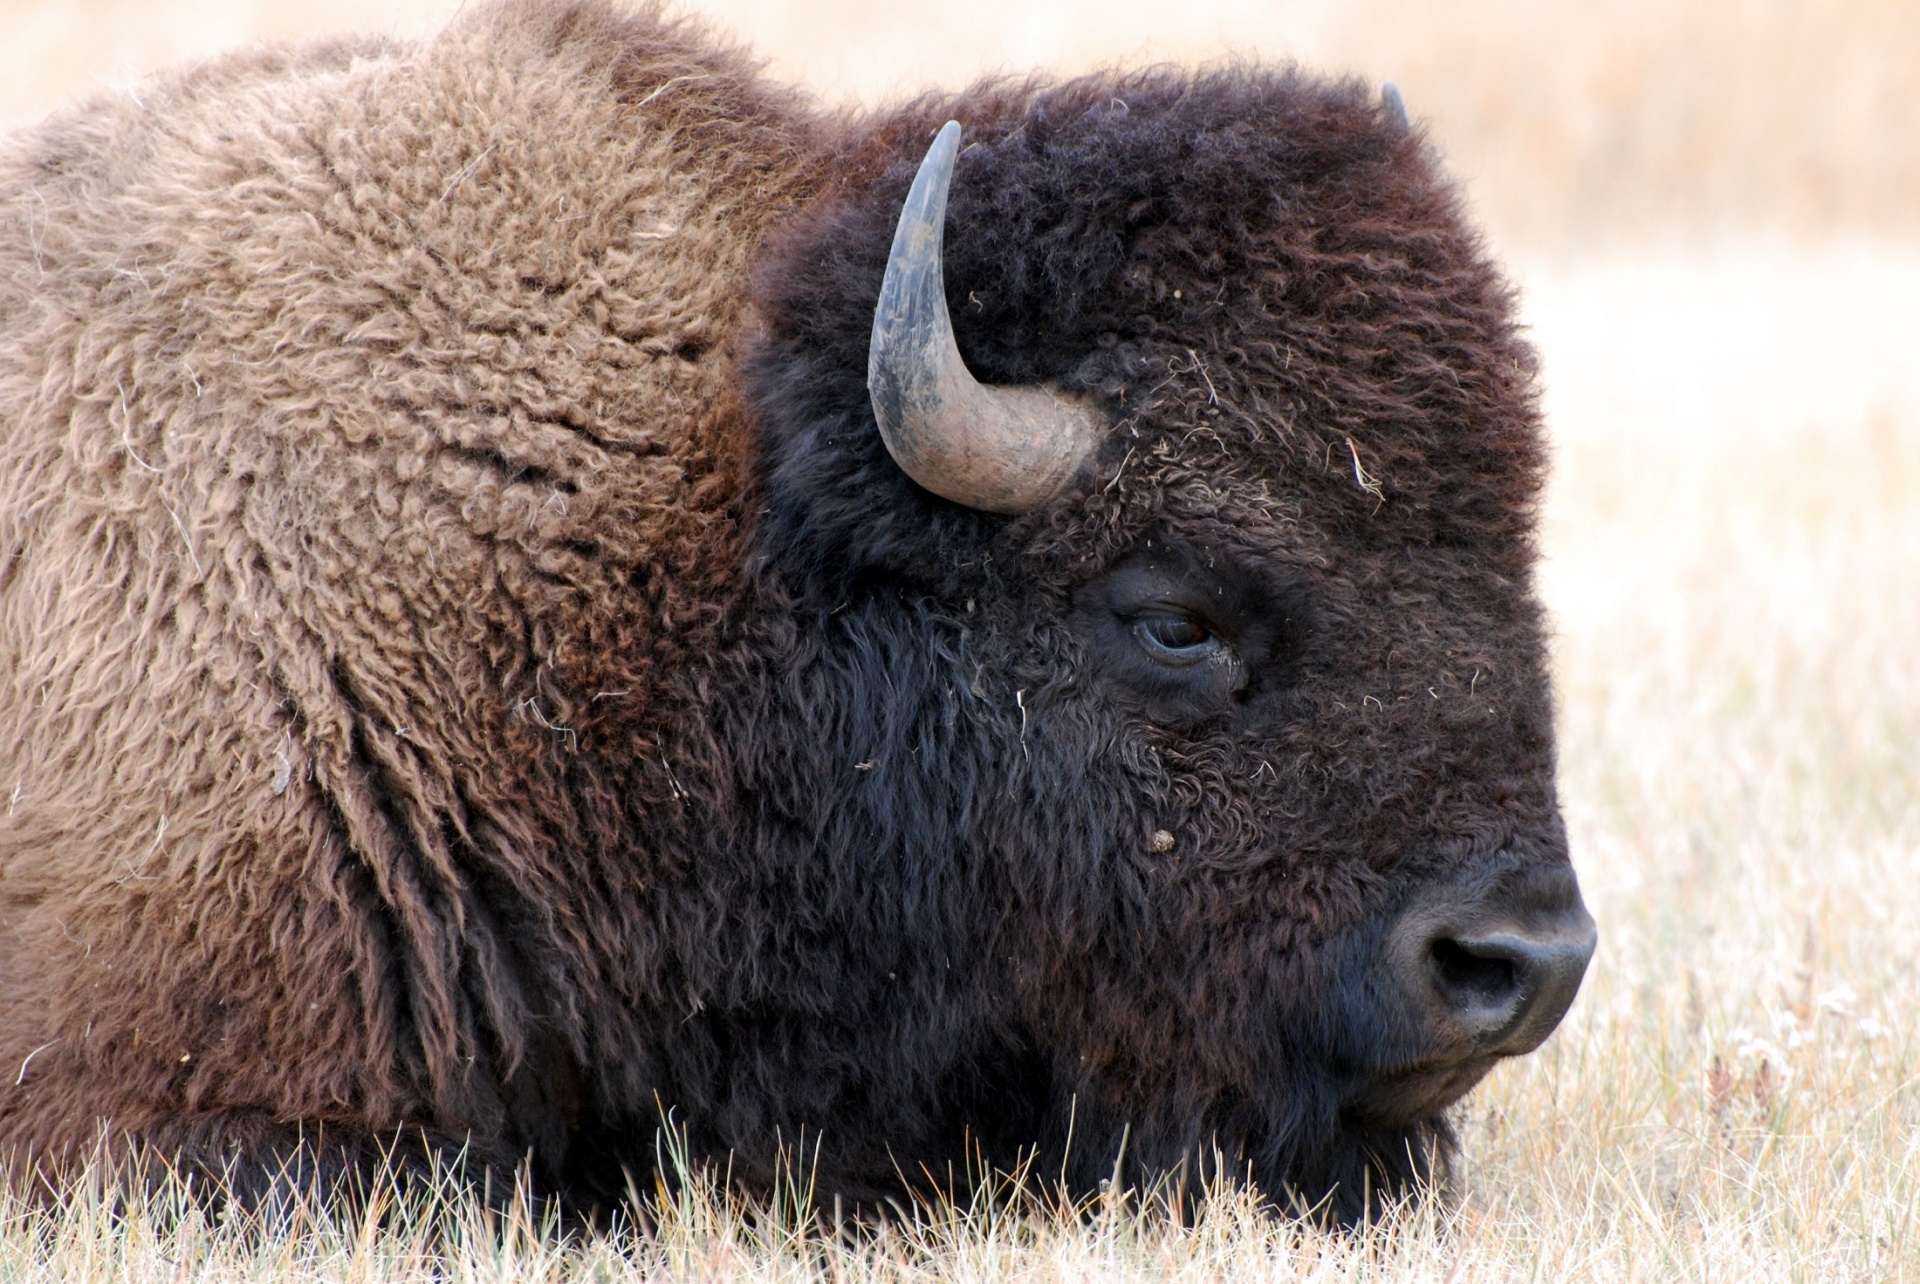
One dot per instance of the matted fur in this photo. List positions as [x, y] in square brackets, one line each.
[470, 676]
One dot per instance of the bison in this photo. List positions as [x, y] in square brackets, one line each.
[535, 592]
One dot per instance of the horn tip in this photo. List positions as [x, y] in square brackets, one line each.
[1394, 106]
[946, 140]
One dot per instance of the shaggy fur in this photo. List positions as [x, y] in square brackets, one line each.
[471, 677]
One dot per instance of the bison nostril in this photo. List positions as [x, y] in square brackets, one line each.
[1489, 973]
[1473, 979]
[1509, 987]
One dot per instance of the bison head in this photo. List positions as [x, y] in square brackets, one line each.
[1178, 779]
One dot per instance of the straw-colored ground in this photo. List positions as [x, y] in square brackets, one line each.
[1733, 558]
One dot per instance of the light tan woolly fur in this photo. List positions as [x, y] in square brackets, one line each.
[244, 538]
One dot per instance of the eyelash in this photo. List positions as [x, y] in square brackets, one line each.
[1198, 641]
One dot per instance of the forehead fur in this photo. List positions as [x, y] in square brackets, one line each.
[1263, 281]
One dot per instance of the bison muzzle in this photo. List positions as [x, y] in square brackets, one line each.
[544, 580]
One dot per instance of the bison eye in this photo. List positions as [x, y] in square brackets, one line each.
[1183, 637]
[1175, 639]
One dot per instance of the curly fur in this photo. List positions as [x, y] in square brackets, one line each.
[470, 675]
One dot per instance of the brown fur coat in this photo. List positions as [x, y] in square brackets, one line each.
[530, 235]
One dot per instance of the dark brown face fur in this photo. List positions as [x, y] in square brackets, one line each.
[1285, 620]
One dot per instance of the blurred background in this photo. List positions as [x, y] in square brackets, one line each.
[1578, 125]
[1712, 208]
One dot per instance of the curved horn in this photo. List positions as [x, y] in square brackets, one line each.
[1004, 450]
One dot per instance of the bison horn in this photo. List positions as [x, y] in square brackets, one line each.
[1004, 449]
[1394, 105]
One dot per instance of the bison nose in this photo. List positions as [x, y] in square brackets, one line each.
[1507, 985]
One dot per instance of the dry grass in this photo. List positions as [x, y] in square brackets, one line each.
[1733, 557]
[1734, 564]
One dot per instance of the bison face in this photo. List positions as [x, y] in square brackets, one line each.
[1232, 758]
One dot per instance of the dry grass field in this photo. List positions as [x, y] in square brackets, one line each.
[1714, 207]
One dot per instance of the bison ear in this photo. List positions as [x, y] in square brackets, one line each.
[1394, 106]
[1002, 450]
